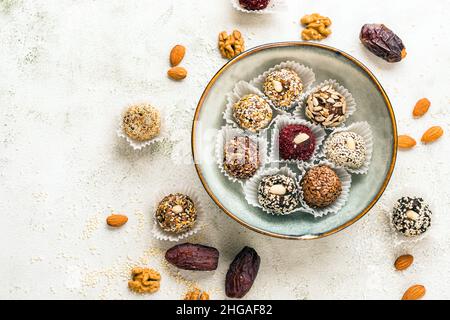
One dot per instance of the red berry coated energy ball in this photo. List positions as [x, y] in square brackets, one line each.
[254, 4]
[296, 142]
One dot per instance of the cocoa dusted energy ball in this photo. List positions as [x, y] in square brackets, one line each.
[141, 122]
[176, 213]
[296, 142]
[252, 113]
[321, 186]
[278, 193]
[326, 106]
[241, 157]
[283, 87]
[411, 216]
[346, 149]
[254, 4]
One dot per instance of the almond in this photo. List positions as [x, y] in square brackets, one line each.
[177, 54]
[403, 262]
[406, 142]
[432, 134]
[116, 220]
[414, 293]
[177, 73]
[421, 107]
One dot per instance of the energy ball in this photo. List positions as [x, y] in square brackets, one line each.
[252, 113]
[326, 107]
[241, 157]
[278, 193]
[321, 186]
[141, 122]
[346, 149]
[296, 142]
[176, 213]
[254, 4]
[283, 87]
[411, 216]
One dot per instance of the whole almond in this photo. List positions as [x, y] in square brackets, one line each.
[421, 107]
[177, 54]
[432, 134]
[406, 142]
[177, 73]
[414, 293]
[116, 220]
[403, 262]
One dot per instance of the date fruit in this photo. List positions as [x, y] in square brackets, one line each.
[242, 273]
[190, 256]
[382, 42]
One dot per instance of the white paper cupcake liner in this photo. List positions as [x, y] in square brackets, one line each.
[227, 133]
[387, 205]
[284, 120]
[273, 7]
[306, 74]
[363, 129]
[241, 89]
[160, 234]
[139, 145]
[251, 188]
[346, 181]
[351, 103]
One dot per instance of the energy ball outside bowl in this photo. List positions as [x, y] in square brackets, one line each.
[176, 213]
[141, 122]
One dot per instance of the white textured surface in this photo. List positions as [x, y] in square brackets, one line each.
[68, 68]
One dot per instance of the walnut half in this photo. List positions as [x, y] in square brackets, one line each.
[316, 27]
[196, 294]
[144, 280]
[231, 45]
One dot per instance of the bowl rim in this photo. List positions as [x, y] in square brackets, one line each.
[296, 44]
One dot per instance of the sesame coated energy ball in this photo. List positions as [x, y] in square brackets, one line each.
[296, 142]
[346, 149]
[252, 113]
[321, 186]
[278, 193]
[176, 213]
[141, 122]
[411, 216]
[283, 87]
[241, 157]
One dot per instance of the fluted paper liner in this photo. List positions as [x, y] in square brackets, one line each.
[283, 121]
[274, 6]
[159, 233]
[351, 103]
[241, 89]
[346, 181]
[305, 73]
[363, 129]
[139, 145]
[251, 188]
[227, 133]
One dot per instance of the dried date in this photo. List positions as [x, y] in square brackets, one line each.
[242, 273]
[190, 256]
[382, 42]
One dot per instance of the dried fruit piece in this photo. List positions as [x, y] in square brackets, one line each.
[231, 45]
[406, 142]
[316, 27]
[414, 293]
[144, 280]
[242, 273]
[432, 134]
[421, 107]
[116, 220]
[177, 73]
[404, 262]
[177, 54]
[190, 256]
[196, 294]
[382, 42]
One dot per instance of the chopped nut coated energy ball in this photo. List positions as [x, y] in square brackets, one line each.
[176, 213]
[321, 187]
[283, 87]
[241, 157]
[252, 113]
[278, 193]
[346, 149]
[142, 122]
[411, 216]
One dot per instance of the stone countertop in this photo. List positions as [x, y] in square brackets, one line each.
[69, 69]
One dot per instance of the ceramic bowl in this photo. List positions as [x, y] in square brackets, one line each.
[373, 106]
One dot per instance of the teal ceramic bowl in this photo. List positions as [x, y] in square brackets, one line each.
[373, 106]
